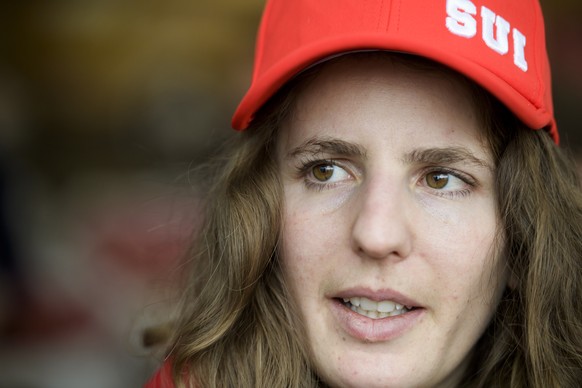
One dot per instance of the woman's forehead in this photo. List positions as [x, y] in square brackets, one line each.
[354, 93]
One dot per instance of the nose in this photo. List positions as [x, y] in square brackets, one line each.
[383, 226]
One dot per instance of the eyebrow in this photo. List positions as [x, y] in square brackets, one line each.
[430, 156]
[316, 146]
[447, 155]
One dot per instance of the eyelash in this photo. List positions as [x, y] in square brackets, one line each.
[465, 178]
[305, 168]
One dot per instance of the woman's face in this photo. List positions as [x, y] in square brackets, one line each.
[389, 224]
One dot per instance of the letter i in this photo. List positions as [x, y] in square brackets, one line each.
[519, 42]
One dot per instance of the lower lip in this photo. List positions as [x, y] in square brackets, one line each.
[374, 330]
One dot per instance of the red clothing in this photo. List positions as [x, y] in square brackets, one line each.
[162, 378]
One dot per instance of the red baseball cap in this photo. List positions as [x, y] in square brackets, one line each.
[499, 44]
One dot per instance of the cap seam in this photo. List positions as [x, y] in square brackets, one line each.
[260, 46]
[380, 14]
[398, 13]
[540, 92]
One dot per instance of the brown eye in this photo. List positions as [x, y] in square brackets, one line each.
[323, 172]
[437, 180]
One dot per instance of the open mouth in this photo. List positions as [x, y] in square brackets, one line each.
[373, 309]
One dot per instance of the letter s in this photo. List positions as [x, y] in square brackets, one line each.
[459, 19]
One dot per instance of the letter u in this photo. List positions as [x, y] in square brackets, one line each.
[498, 42]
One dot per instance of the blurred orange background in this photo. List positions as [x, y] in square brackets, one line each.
[105, 106]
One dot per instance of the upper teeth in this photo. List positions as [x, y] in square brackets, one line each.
[373, 309]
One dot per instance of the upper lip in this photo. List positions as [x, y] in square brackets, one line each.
[377, 295]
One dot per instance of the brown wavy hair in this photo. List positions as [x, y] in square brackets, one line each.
[238, 325]
[535, 337]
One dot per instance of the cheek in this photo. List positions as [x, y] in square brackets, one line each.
[310, 246]
[477, 282]
[464, 230]
[461, 248]
[297, 250]
[309, 229]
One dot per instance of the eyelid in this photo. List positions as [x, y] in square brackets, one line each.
[468, 180]
[305, 166]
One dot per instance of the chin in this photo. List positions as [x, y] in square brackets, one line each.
[373, 370]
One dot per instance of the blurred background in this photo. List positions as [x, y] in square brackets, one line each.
[105, 106]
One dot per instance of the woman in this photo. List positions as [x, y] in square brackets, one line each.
[389, 217]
